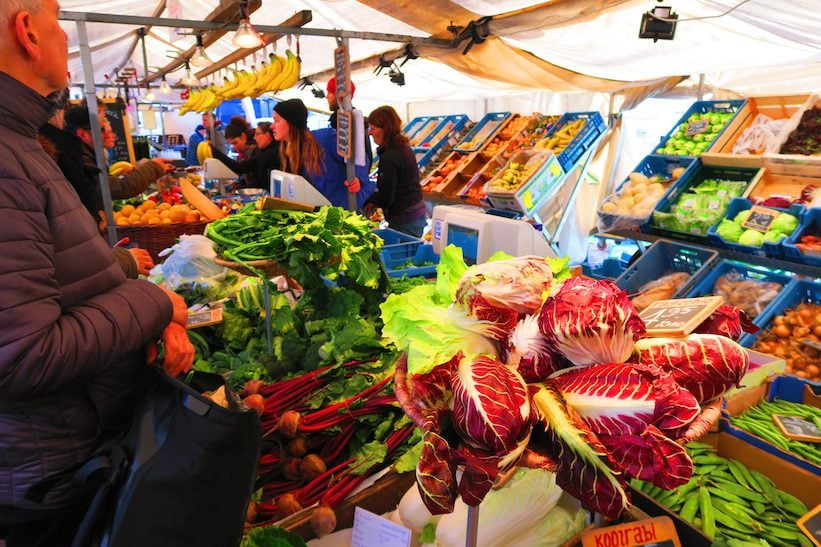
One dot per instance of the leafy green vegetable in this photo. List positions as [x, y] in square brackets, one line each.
[428, 534]
[271, 536]
[367, 456]
[729, 230]
[784, 223]
[407, 461]
[752, 238]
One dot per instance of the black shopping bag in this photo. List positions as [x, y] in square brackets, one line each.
[182, 475]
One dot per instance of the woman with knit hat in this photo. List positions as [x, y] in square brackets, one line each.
[299, 152]
[257, 168]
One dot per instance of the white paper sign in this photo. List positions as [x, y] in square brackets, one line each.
[371, 530]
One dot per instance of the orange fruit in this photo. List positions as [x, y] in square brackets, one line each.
[166, 220]
[164, 206]
[154, 220]
[134, 217]
[122, 221]
[149, 204]
[176, 215]
[127, 210]
[192, 217]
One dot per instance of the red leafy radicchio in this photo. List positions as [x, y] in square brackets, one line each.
[591, 321]
[502, 290]
[527, 351]
[727, 321]
[636, 415]
[706, 365]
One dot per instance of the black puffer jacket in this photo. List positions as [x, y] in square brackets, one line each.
[72, 328]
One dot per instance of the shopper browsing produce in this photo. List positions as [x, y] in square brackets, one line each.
[398, 192]
[198, 136]
[263, 159]
[333, 182]
[73, 330]
[299, 153]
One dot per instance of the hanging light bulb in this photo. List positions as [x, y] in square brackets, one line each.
[189, 80]
[149, 96]
[246, 36]
[165, 89]
[199, 58]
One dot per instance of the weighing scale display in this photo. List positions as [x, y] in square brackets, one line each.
[467, 239]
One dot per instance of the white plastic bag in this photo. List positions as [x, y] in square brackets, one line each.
[191, 260]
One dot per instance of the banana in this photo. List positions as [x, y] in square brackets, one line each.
[204, 151]
[293, 77]
[275, 66]
[193, 97]
[249, 82]
[120, 168]
[287, 67]
[226, 84]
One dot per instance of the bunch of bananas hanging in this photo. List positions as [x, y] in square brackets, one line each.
[204, 151]
[276, 74]
[119, 168]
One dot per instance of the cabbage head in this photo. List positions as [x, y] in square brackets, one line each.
[773, 236]
[742, 217]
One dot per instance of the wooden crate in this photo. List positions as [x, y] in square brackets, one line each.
[772, 183]
[776, 107]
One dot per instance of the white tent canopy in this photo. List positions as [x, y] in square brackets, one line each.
[760, 46]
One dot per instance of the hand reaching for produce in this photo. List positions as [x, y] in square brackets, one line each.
[353, 185]
[179, 352]
[180, 316]
[143, 260]
[165, 163]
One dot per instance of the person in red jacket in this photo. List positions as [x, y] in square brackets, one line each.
[73, 329]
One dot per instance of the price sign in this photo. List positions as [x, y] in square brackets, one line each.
[658, 531]
[204, 318]
[372, 530]
[344, 133]
[797, 428]
[760, 218]
[810, 524]
[695, 128]
[678, 317]
[342, 71]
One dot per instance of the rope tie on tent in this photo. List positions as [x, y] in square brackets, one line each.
[477, 32]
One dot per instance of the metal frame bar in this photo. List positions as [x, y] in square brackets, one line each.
[216, 25]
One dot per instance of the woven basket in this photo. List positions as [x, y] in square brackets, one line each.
[156, 237]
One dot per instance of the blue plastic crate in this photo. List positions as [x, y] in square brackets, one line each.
[773, 250]
[440, 134]
[487, 127]
[414, 125]
[797, 291]
[414, 266]
[611, 268]
[582, 140]
[690, 180]
[426, 130]
[811, 225]
[704, 107]
[397, 245]
[666, 257]
[742, 271]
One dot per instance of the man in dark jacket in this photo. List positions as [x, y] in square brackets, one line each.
[72, 328]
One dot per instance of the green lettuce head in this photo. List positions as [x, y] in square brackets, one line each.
[742, 217]
[751, 238]
[784, 223]
[773, 236]
[729, 230]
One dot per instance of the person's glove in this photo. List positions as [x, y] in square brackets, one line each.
[353, 185]
[143, 260]
[180, 315]
[179, 352]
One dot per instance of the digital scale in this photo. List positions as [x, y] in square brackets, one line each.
[295, 188]
[480, 234]
[216, 171]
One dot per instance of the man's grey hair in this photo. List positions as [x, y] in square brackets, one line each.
[8, 8]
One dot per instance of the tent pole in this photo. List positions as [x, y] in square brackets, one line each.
[701, 87]
[219, 25]
[96, 134]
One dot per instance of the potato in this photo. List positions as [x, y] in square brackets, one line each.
[608, 207]
[677, 172]
[638, 177]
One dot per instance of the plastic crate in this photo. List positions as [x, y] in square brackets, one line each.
[440, 134]
[773, 250]
[797, 291]
[745, 272]
[585, 137]
[665, 257]
[397, 245]
[531, 192]
[414, 266]
[811, 225]
[650, 166]
[692, 179]
[611, 268]
[482, 132]
[425, 130]
[704, 107]
[414, 125]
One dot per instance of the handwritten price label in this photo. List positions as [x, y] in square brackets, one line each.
[678, 317]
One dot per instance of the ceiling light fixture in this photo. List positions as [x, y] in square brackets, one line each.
[189, 80]
[165, 89]
[149, 96]
[245, 35]
[199, 58]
